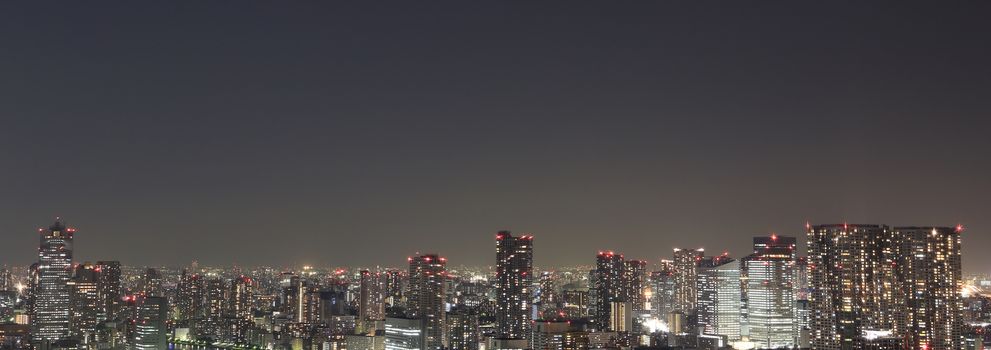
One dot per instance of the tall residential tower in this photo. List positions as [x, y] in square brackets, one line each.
[514, 276]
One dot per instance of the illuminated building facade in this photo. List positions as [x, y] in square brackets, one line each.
[85, 303]
[189, 297]
[514, 277]
[608, 286]
[51, 313]
[463, 329]
[548, 294]
[151, 283]
[685, 276]
[550, 335]
[662, 288]
[6, 279]
[635, 281]
[240, 297]
[855, 289]
[394, 286]
[8, 301]
[575, 303]
[150, 325]
[403, 334]
[428, 277]
[371, 307]
[719, 296]
[769, 289]
[932, 271]
[108, 283]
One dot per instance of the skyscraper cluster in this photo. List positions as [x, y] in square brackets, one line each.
[859, 287]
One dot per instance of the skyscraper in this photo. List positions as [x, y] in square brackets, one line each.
[685, 276]
[50, 319]
[514, 276]
[214, 306]
[854, 288]
[428, 275]
[662, 286]
[394, 287]
[6, 279]
[719, 296]
[108, 283]
[150, 330]
[151, 283]
[8, 300]
[85, 303]
[548, 293]
[240, 298]
[608, 286]
[463, 325]
[189, 297]
[930, 265]
[770, 292]
[634, 280]
[370, 304]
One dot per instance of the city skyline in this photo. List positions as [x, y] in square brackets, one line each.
[862, 286]
[402, 259]
[490, 175]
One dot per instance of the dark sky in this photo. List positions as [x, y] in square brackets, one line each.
[358, 133]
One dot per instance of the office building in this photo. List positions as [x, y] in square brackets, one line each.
[769, 289]
[403, 334]
[718, 304]
[51, 312]
[150, 324]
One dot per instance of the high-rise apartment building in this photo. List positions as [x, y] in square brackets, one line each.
[514, 279]
[608, 286]
[685, 276]
[189, 297]
[635, 281]
[108, 283]
[394, 286]
[428, 276]
[371, 307]
[240, 298]
[856, 290]
[930, 266]
[548, 292]
[463, 329]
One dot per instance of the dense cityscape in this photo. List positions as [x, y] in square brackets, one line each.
[858, 287]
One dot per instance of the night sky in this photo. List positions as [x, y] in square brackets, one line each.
[282, 133]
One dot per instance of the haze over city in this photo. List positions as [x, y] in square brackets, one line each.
[361, 133]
